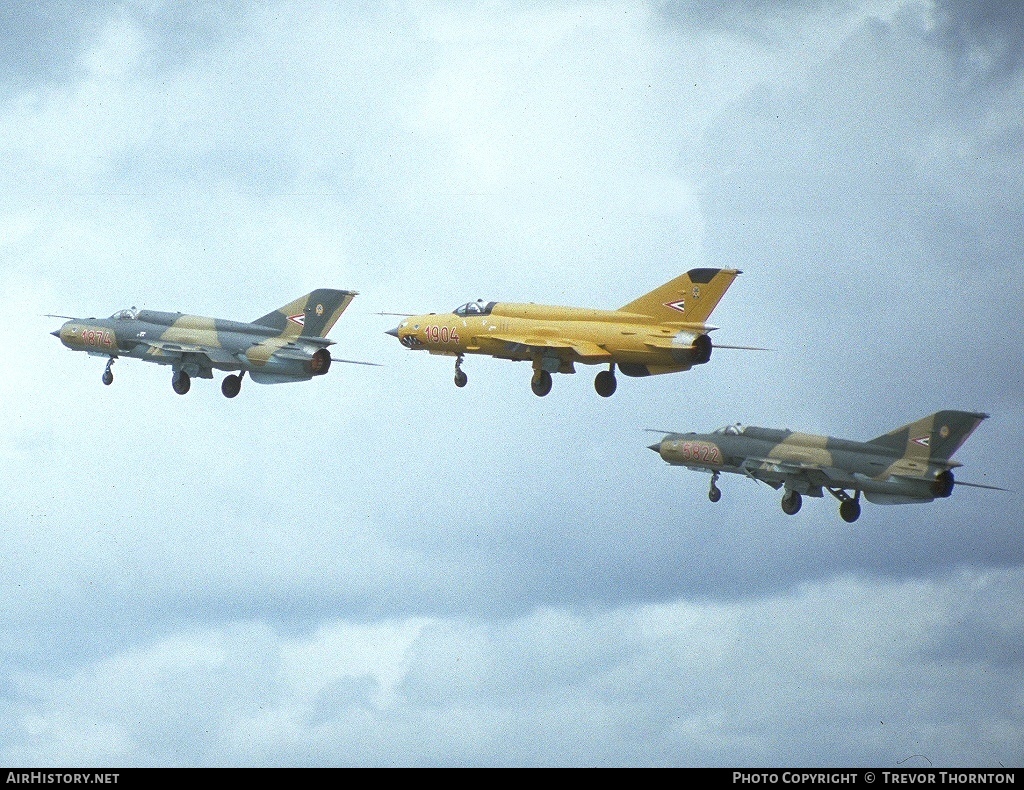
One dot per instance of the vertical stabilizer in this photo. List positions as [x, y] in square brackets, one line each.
[311, 315]
[934, 438]
[688, 298]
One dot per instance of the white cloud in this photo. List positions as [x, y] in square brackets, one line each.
[661, 684]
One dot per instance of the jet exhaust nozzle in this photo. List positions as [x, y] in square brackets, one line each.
[943, 485]
[320, 362]
[701, 349]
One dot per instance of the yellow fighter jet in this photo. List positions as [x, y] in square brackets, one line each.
[663, 331]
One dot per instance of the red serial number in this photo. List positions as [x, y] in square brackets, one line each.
[703, 452]
[440, 334]
[98, 337]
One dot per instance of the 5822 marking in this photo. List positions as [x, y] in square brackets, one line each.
[702, 452]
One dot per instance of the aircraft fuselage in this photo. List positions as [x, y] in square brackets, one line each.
[168, 339]
[556, 338]
[809, 463]
[662, 331]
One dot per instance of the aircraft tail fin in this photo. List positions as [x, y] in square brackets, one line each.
[690, 297]
[933, 438]
[312, 315]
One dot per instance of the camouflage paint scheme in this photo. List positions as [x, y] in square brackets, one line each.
[663, 331]
[285, 345]
[909, 464]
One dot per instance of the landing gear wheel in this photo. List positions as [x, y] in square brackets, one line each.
[541, 383]
[180, 382]
[849, 506]
[849, 510]
[605, 383]
[108, 374]
[791, 502]
[715, 493]
[460, 377]
[231, 386]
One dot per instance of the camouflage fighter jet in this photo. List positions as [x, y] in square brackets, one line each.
[285, 345]
[909, 464]
[663, 331]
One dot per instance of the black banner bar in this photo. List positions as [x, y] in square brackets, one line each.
[759, 778]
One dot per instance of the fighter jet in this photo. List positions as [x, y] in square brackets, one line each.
[908, 464]
[285, 345]
[663, 331]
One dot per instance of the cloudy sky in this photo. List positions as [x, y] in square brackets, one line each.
[375, 568]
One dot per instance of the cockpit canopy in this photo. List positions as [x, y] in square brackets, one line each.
[731, 430]
[479, 307]
[128, 314]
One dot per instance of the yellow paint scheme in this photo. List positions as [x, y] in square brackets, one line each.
[663, 331]
[599, 338]
[521, 332]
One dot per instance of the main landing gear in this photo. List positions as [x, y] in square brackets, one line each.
[791, 502]
[715, 493]
[108, 374]
[180, 382]
[232, 385]
[604, 383]
[849, 506]
[460, 376]
[540, 383]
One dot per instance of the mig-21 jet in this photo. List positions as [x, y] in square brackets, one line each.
[288, 344]
[908, 464]
[664, 331]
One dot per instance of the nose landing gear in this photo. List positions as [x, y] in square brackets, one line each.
[460, 376]
[715, 493]
[108, 374]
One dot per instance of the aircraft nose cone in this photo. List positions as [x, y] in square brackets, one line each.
[55, 333]
[392, 332]
[655, 447]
